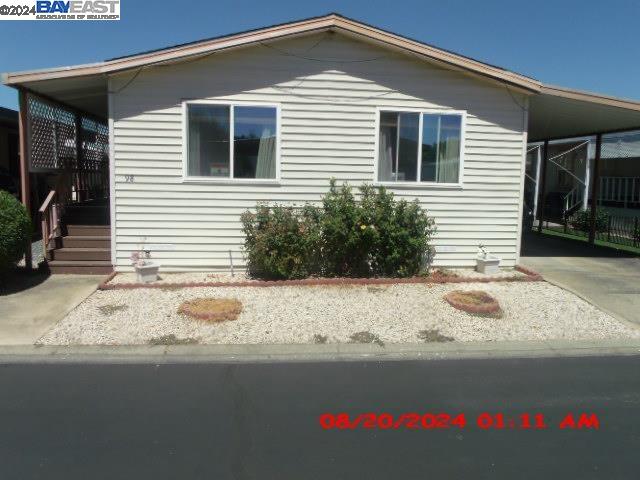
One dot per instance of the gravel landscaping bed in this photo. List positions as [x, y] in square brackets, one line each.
[183, 277]
[193, 277]
[329, 314]
[470, 273]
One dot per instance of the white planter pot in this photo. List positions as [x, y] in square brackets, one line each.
[147, 273]
[488, 265]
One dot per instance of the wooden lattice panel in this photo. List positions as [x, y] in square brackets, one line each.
[53, 139]
[42, 119]
[95, 144]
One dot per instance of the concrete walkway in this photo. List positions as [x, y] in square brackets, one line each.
[604, 277]
[27, 314]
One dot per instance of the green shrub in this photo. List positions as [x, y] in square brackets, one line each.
[581, 220]
[346, 238]
[375, 236]
[403, 231]
[280, 242]
[15, 231]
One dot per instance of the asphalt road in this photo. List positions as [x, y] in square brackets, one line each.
[245, 421]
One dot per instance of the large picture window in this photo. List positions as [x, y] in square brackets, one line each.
[420, 147]
[231, 141]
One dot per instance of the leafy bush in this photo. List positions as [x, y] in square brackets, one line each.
[280, 242]
[581, 220]
[402, 232]
[15, 231]
[347, 237]
[376, 236]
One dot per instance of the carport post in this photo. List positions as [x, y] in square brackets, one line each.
[543, 181]
[25, 184]
[595, 179]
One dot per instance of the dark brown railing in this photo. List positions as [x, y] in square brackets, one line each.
[610, 228]
[50, 220]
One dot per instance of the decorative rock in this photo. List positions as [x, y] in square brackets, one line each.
[212, 309]
[473, 301]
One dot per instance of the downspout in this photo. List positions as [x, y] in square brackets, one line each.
[112, 174]
[25, 183]
[523, 164]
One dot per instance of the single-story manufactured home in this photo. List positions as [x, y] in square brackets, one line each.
[167, 148]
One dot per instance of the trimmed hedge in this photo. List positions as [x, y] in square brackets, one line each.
[344, 237]
[15, 231]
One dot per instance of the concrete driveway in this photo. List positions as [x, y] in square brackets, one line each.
[606, 278]
[38, 302]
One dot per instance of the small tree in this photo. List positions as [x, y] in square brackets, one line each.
[15, 231]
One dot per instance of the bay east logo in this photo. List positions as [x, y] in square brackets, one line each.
[78, 7]
[59, 10]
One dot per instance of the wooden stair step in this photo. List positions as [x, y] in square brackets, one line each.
[88, 230]
[86, 241]
[80, 266]
[88, 220]
[80, 253]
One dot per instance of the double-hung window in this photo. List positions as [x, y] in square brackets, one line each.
[420, 147]
[231, 141]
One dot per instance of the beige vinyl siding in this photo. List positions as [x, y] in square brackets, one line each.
[328, 118]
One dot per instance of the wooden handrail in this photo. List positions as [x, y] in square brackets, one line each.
[49, 220]
[47, 201]
[88, 185]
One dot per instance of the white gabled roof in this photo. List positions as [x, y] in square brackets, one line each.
[554, 112]
[331, 21]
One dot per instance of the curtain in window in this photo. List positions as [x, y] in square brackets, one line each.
[385, 155]
[266, 163]
[448, 158]
[195, 167]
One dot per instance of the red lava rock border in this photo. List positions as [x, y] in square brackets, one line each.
[530, 276]
[490, 307]
[535, 276]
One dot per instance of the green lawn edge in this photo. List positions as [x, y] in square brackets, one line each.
[599, 243]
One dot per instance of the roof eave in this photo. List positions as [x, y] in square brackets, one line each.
[328, 22]
[580, 95]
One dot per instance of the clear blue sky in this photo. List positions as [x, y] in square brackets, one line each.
[587, 44]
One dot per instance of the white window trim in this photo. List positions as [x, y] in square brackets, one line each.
[419, 184]
[186, 178]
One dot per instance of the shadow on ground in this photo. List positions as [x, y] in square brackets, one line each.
[20, 280]
[540, 245]
[607, 278]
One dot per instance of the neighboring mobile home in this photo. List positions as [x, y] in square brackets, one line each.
[198, 133]
[9, 163]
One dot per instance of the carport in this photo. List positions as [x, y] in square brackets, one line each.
[574, 135]
[571, 135]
